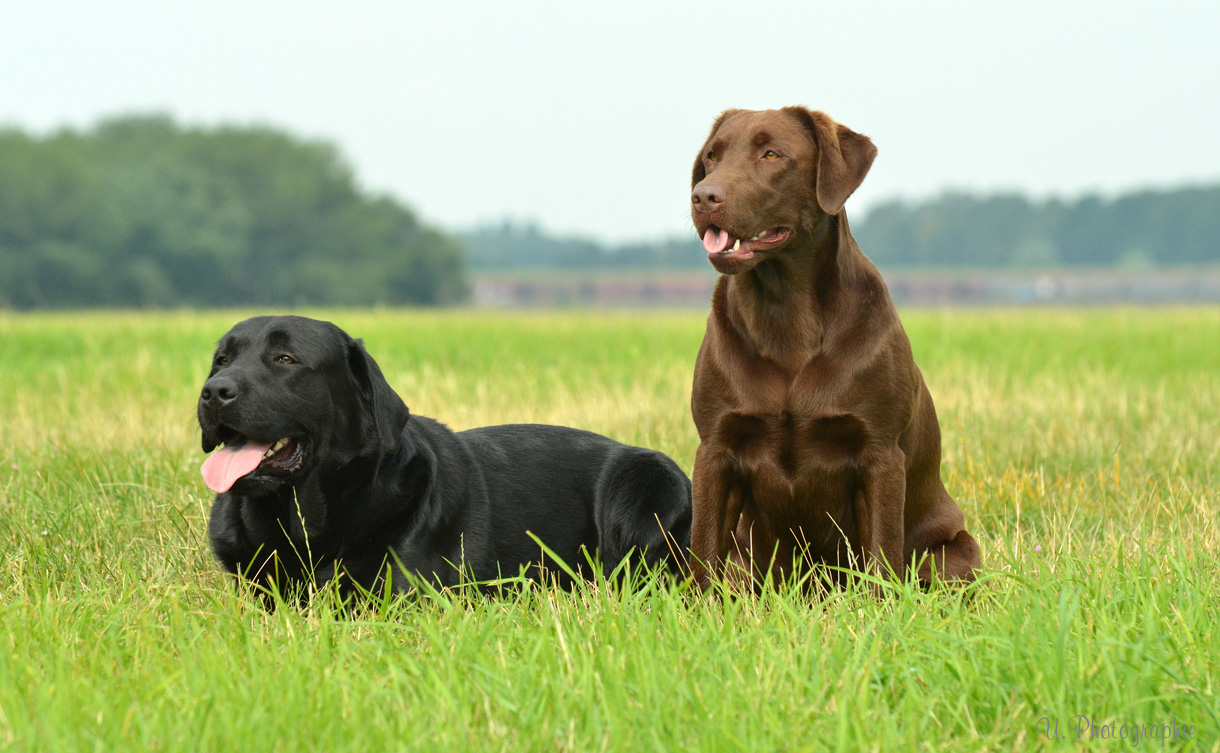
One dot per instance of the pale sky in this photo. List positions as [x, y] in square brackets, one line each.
[586, 118]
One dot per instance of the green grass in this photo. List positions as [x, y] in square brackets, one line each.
[1084, 446]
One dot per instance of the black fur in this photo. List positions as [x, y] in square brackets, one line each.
[378, 490]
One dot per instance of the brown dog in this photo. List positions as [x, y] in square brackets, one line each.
[818, 438]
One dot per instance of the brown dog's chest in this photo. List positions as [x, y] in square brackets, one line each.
[790, 441]
[796, 463]
[796, 419]
[795, 473]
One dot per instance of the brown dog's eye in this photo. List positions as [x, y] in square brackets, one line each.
[711, 156]
[284, 358]
[770, 154]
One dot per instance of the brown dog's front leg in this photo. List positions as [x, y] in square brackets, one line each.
[879, 510]
[715, 514]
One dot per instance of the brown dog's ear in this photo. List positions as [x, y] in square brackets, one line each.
[844, 158]
[388, 412]
[699, 172]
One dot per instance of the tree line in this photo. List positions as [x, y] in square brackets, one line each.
[140, 211]
[960, 231]
[515, 245]
[1141, 229]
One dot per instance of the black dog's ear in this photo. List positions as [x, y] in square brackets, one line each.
[700, 172]
[389, 413]
[844, 158]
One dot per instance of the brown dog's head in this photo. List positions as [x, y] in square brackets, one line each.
[763, 176]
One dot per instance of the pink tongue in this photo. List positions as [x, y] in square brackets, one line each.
[223, 467]
[715, 243]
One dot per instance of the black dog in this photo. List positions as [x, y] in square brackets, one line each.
[325, 474]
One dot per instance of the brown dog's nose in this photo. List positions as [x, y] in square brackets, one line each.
[707, 197]
[219, 391]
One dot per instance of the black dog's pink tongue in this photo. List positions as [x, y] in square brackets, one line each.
[715, 240]
[223, 467]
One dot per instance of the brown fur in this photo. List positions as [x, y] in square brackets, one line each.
[818, 438]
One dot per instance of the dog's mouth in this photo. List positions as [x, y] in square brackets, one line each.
[243, 456]
[722, 245]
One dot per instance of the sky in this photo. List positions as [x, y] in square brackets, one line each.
[586, 117]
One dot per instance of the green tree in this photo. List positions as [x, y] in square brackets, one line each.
[141, 211]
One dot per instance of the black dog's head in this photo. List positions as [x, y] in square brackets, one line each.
[287, 395]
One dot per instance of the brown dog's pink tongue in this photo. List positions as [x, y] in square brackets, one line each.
[714, 241]
[223, 467]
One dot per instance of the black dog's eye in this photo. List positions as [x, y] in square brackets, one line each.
[771, 154]
[222, 360]
[284, 358]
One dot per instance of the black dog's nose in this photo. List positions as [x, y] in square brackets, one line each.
[219, 391]
[707, 197]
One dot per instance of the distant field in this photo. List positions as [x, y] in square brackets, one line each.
[691, 288]
[1084, 446]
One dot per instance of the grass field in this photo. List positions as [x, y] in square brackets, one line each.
[1083, 445]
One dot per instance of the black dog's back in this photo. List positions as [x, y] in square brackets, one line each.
[571, 487]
